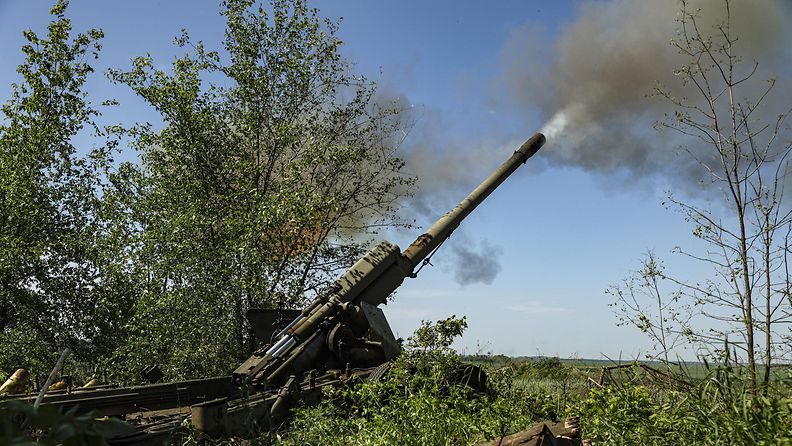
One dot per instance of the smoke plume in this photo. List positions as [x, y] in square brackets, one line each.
[476, 265]
[447, 170]
[594, 84]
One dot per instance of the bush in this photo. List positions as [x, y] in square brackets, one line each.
[422, 402]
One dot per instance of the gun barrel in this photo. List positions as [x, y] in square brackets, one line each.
[438, 232]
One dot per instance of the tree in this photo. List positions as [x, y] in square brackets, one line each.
[273, 161]
[57, 282]
[746, 157]
[641, 301]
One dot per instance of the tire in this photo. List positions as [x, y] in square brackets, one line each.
[380, 372]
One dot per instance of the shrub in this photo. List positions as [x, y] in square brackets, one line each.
[422, 402]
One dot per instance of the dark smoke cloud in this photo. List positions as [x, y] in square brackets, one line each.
[445, 164]
[594, 84]
[476, 264]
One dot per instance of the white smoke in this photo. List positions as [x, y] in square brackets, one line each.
[556, 126]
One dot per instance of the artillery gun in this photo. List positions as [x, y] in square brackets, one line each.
[345, 327]
[341, 335]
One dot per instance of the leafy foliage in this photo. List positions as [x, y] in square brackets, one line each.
[58, 281]
[274, 166]
[421, 402]
[54, 428]
[273, 161]
[545, 368]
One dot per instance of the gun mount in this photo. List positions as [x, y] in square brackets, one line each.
[342, 334]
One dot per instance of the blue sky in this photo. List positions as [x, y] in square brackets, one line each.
[563, 233]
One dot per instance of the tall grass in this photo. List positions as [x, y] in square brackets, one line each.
[419, 406]
[718, 410]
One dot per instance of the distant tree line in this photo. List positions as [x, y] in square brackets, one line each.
[274, 164]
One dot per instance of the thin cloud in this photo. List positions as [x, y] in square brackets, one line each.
[533, 307]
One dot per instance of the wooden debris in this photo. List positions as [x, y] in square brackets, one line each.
[539, 435]
[50, 378]
[566, 433]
